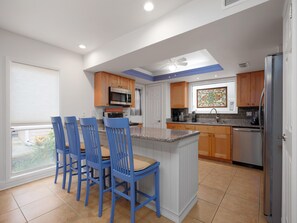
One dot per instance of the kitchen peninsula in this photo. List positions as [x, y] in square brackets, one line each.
[177, 152]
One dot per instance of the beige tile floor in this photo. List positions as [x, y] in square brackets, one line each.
[227, 194]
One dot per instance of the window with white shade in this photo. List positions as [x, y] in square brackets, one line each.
[34, 98]
[34, 94]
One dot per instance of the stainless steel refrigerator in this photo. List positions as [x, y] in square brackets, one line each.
[271, 112]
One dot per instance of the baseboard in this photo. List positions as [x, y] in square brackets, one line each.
[188, 208]
[17, 181]
[178, 218]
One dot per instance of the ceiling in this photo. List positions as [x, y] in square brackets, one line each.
[247, 36]
[68, 23]
[198, 59]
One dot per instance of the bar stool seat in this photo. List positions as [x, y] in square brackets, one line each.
[82, 146]
[105, 152]
[142, 162]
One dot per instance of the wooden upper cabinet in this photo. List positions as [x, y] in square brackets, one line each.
[257, 85]
[114, 81]
[179, 94]
[104, 80]
[124, 83]
[243, 89]
[101, 83]
[249, 88]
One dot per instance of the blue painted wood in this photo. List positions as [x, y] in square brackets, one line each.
[75, 154]
[61, 150]
[122, 166]
[138, 74]
[201, 70]
[185, 73]
[94, 159]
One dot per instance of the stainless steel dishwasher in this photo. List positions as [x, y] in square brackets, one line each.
[247, 146]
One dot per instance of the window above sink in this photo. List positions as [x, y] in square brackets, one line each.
[219, 94]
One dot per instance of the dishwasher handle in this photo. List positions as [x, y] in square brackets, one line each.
[246, 130]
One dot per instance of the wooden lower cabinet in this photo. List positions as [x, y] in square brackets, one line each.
[204, 144]
[214, 141]
[221, 146]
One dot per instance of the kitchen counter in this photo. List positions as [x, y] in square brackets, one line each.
[162, 135]
[226, 122]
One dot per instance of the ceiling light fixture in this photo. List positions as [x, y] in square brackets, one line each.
[148, 6]
[82, 46]
[172, 67]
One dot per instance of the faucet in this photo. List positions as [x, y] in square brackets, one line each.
[217, 117]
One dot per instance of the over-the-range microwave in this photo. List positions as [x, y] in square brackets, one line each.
[119, 96]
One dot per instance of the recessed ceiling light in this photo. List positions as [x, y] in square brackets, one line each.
[198, 78]
[216, 75]
[148, 6]
[82, 46]
[172, 67]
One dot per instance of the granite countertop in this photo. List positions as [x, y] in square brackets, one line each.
[157, 134]
[244, 123]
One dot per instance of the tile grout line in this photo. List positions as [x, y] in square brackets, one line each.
[223, 197]
[19, 207]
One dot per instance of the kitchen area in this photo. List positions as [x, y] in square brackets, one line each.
[208, 89]
[224, 137]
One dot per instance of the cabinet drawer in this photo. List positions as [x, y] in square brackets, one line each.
[222, 130]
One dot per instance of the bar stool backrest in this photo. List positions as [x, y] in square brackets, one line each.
[119, 140]
[73, 136]
[90, 132]
[59, 134]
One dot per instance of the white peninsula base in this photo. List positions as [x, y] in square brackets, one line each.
[178, 172]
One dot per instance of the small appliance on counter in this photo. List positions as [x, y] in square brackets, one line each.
[255, 119]
[179, 114]
[194, 116]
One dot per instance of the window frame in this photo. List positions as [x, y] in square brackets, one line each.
[10, 179]
[212, 82]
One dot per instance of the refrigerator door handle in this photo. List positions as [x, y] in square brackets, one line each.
[260, 109]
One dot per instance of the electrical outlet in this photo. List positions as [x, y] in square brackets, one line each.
[249, 114]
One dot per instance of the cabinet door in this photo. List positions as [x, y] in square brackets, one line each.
[221, 146]
[204, 144]
[132, 89]
[244, 90]
[179, 95]
[114, 81]
[124, 83]
[257, 85]
[101, 89]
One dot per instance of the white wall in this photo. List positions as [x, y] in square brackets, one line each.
[76, 87]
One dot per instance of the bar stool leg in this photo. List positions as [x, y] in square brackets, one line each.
[157, 192]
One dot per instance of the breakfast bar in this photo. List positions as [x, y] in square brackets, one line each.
[177, 152]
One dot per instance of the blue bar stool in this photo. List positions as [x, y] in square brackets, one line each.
[76, 154]
[128, 167]
[97, 158]
[61, 149]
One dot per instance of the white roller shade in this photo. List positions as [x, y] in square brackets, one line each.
[34, 94]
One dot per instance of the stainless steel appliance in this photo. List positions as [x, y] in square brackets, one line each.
[271, 135]
[119, 96]
[113, 114]
[247, 146]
